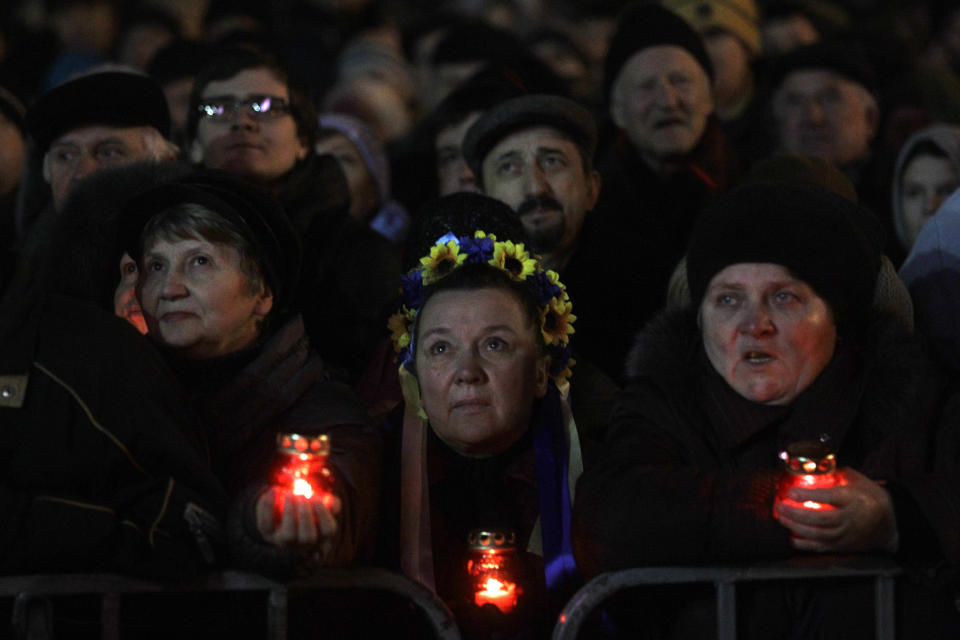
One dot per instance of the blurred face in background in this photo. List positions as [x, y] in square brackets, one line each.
[364, 198]
[823, 114]
[453, 173]
[926, 182]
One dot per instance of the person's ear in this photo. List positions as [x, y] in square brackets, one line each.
[542, 376]
[264, 302]
[594, 182]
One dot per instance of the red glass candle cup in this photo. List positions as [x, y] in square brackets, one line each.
[303, 468]
[809, 465]
[491, 568]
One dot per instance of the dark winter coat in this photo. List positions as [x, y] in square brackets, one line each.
[99, 472]
[634, 239]
[349, 275]
[688, 472]
[280, 386]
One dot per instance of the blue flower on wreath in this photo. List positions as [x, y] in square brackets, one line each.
[412, 284]
[543, 289]
[478, 249]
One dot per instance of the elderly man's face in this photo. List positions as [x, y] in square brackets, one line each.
[539, 173]
[85, 150]
[260, 146]
[820, 113]
[662, 100]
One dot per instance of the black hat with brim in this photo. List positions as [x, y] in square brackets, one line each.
[110, 98]
[255, 213]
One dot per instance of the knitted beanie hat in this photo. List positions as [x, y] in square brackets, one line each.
[737, 17]
[367, 143]
[642, 25]
[819, 236]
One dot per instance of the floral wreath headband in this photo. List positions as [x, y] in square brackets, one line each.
[451, 252]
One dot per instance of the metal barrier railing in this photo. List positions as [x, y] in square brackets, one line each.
[33, 611]
[882, 571]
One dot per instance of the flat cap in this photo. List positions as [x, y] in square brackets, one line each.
[112, 98]
[536, 110]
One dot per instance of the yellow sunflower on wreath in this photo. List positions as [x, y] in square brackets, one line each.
[556, 321]
[443, 259]
[400, 325]
[514, 259]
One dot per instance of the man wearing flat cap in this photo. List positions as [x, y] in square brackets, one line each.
[535, 154]
[103, 119]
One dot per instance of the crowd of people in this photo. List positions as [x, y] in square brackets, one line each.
[497, 295]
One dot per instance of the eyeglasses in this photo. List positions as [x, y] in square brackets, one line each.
[260, 107]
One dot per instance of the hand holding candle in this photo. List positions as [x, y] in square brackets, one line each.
[855, 515]
[300, 509]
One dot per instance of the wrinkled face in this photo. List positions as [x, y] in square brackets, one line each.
[453, 173]
[539, 173]
[927, 181]
[768, 334]
[363, 190]
[85, 150]
[662, 100]
[260, 148]
[820, 113]
[125, 303]
[480, 368]
[197, 300]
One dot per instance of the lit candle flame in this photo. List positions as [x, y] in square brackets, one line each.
[301, 487]
[501, 594]
[493, 586]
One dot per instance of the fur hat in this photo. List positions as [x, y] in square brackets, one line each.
[640, 26]
[737, 17]
[112, 98]
[819, 236]
[528, 111]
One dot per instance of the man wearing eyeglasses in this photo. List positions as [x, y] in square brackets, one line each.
[104, 119]
[247, 116]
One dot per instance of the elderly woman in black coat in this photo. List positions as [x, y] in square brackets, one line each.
[219, 261]
[782, 348]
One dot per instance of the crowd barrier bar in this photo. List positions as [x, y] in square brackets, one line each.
[33, 613]
[883, 571]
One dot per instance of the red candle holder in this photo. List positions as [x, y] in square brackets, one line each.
[492, 569]
[303, 468]
[808, 465]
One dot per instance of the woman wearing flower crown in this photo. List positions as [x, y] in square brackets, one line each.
[488, 442]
